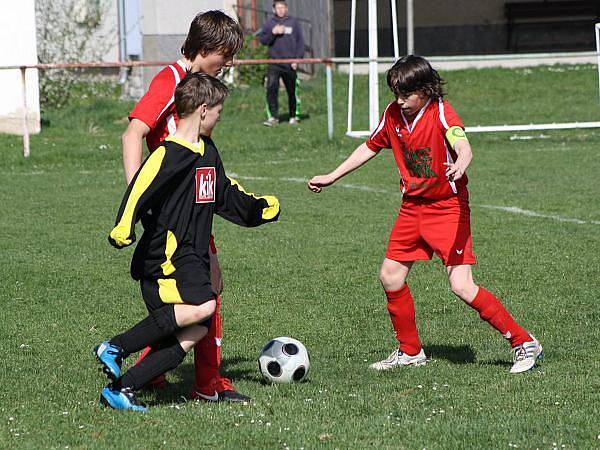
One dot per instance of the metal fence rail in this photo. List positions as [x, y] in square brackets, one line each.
[328, 63]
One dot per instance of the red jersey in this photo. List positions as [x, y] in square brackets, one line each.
[157, 107]
[420, 148]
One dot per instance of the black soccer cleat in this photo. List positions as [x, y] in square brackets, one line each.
[228, 395]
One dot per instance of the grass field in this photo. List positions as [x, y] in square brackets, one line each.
[313, 276]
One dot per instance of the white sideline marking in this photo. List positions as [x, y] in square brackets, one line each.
[526, 212]
[305, 181]
[275, 162]
[509, 209]
[516, 137]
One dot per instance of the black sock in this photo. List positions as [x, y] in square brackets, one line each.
[165, 356]
[159, 324]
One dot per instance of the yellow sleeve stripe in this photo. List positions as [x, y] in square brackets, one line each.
[121, 232]
[455, 134]
[167, 267]
[270, 211]
[240, 187]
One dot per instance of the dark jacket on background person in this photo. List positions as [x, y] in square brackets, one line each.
[287, 45]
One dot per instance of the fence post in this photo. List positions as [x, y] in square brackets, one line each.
[25, 125]
[329, 100]
[597, 29]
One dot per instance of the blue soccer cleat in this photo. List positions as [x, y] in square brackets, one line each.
[121, 399]
[111, 358]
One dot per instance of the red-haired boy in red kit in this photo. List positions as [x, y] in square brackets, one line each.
[432, 153]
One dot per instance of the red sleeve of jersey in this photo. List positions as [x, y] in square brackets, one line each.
[448, 117]
[379, 138]
[159, 94]
[213, 247]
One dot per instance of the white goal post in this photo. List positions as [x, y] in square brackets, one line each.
[373, 60]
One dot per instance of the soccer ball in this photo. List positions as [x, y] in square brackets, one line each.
[284, 360]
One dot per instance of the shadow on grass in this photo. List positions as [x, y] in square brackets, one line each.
[179, 391]
[497, 362]
[283, 118]
[456, 354]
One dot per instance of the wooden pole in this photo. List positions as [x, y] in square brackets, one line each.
[254, 21]
[25, 125]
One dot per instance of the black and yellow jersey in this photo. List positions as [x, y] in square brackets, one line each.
[175, 194]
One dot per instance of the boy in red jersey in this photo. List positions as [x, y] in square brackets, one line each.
[213, 39]
[432, 153]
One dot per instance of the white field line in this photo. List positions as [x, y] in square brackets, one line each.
[508, 209]
[275, 162]
[526, 212]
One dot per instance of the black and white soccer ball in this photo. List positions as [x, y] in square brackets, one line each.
[284, 360]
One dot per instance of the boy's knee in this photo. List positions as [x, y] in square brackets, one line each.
[204, 312]
[390, 279]
[463, 289]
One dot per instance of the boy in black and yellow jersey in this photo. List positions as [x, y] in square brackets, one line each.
[183, 182]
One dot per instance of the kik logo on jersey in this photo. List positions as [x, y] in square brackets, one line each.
[205, 184]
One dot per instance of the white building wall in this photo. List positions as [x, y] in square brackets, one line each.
[110, 28]
[175, 16]
[18, 44]
[165, 26]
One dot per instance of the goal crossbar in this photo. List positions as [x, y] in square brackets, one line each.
[374, 105]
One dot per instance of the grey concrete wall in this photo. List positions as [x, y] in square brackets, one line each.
[160, 47]
[165, 25]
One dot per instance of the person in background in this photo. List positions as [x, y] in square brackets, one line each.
[283, 35]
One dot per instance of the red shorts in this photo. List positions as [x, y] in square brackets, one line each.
[425, 226]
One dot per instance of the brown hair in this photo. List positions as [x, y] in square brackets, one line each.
[414, 73]
[196, 89]
[213, 32]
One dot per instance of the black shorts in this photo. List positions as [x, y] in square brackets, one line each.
[189, 284]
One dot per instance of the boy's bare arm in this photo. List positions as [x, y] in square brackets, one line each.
[464, 154]
[360, 156]
[133, 141]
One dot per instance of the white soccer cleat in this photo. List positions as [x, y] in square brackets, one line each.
[526, 355]
[271, 121]
[397, 358]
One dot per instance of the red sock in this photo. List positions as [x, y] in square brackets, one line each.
[401, 307]
[207, 352]
[493, 312]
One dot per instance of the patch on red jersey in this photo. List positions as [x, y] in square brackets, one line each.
[205, 184]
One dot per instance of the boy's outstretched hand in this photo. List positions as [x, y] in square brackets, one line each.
[454, 171]
[316, 184]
